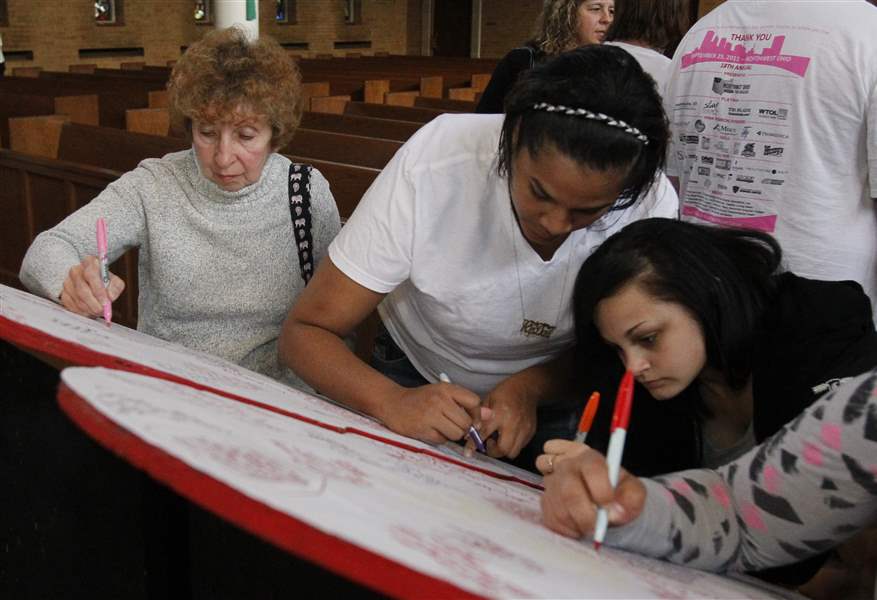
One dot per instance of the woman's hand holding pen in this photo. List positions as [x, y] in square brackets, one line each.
[433, 413]
[84, 292]
[577, 483]
[513, 422]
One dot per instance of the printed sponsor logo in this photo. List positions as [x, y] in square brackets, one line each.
[770, 181]
[725, 129]
[738, 189]
[699, 126]
[745, 179]
[686, 104]
[711, 106]
[773, 134]
[721, 86]
[703, 171]
[721, 186]
[779, 114]
[705, 143]
[773, 150]
[738, 111]
[689, 139]
[723, 163]
[722, 146]
[707, 160]
[745, 133]
[748, 150]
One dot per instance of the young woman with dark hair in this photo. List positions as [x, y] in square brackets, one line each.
[467, 244]
[726, 349]
[724, 346]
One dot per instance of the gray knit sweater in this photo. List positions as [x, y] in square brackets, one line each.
[218, 270]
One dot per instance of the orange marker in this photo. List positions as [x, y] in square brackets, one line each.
[588, 417]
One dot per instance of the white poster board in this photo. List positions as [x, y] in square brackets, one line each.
[481, 533]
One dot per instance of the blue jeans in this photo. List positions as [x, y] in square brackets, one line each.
[391, 361]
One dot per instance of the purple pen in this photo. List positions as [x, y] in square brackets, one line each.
[473, 433]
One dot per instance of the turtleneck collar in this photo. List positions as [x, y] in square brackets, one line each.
[211, 191]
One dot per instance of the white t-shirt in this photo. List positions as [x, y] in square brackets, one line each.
[654, 63]
[437, 233]
[773, 107]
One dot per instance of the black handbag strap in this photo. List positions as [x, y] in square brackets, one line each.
[300, 211]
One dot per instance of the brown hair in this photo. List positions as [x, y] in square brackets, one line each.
[225, 72]
[556, 28]
[659, 23]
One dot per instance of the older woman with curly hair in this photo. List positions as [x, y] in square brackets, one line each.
[228, 232]
[562, 25]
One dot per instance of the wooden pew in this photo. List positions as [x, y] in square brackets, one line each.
[356, 125]
[329, 104]
[157, 98]
[342, 148]
[154, 121]
[398, 113]
[82, 109]
[121, 151]
[113, 96]
[445, 104]
[82, 68]
[324, 145]
[26, 71]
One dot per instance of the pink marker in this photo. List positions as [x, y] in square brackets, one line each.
[104, 268]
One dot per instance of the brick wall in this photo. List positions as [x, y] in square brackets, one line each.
[506, 25]
[55, 30]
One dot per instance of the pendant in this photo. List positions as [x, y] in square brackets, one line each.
[530, 328]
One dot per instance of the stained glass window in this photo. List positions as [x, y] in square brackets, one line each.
[284, 12]
[202, 13]
[105, 12]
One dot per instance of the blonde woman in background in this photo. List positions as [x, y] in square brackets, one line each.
[562, 25]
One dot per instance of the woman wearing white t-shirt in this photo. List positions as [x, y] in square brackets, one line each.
[468, 244]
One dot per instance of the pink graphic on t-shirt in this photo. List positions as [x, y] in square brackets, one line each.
[682, 487]
[721, 495]
[716, 49]
[752, 517]
[812, 454]
[771, 479]
[831, 435]
[766, 223]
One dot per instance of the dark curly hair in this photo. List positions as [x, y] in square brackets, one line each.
[225, 72]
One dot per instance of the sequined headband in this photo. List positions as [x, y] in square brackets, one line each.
[583, 112]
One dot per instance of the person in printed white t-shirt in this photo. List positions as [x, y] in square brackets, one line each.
[773, 108]
[649, 29]
[468, 244]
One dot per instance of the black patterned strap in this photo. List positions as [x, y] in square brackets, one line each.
[300, 210]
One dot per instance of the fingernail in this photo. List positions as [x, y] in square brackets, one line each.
[616, 512]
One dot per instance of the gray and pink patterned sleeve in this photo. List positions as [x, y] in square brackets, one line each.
[804, 490]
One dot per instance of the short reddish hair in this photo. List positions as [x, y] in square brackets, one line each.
[225, 72]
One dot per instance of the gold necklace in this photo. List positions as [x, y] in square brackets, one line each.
[531, 327]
